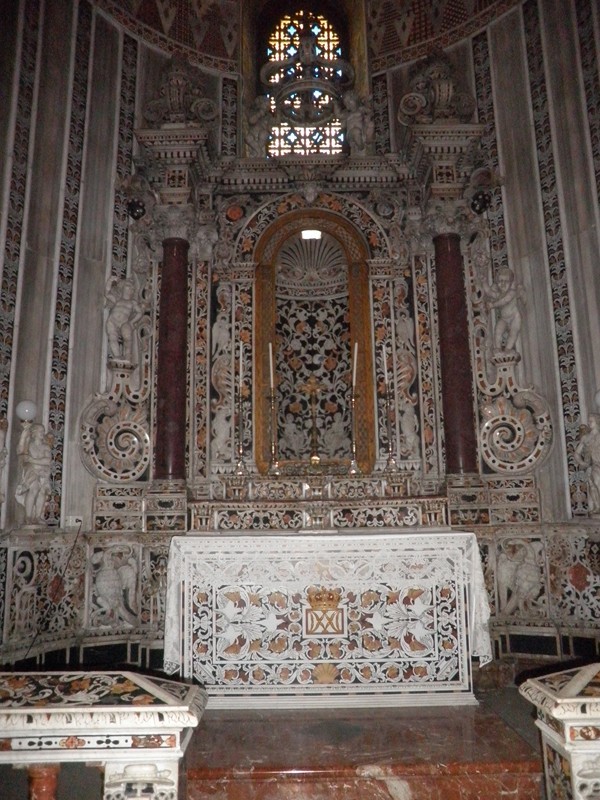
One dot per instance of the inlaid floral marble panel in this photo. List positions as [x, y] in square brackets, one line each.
[336, 618]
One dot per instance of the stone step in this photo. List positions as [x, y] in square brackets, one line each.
[457, 753]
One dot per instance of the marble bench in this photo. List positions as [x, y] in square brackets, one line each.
[135, 727]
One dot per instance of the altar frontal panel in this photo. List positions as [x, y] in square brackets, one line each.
[358, 619]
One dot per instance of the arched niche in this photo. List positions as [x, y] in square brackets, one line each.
[312, 308]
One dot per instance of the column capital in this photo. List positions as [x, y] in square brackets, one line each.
[450, 217]
[174, 222]
[184, 222]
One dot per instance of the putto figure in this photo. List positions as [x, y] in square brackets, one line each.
[358, 119]
[503, 295]
[35, 454]
[587, 455]
[124, 313]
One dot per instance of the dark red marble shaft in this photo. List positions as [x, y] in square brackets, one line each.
[171, 392]
[455, 356]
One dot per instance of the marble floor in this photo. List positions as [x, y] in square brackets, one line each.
[488, 751]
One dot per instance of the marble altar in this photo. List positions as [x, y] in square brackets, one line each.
[361, 618]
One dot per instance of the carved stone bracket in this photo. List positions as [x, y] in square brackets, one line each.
[516, 432]
[114, 427]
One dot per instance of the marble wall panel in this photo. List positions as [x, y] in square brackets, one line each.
[39, 259]
[578, 191]
[525, 233]
[94, 253]
[8, 63]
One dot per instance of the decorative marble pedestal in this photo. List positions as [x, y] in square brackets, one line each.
[568, 705]
[135, 726]
[360, 618]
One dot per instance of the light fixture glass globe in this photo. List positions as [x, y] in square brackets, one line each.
[26, 410]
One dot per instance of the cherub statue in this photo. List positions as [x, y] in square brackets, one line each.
[35, 453]
[259, 122]
[587, 454]
[503, 295]
[356, 114]
[124, 313]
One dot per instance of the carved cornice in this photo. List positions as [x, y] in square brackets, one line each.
[309, 174]
[173, 152]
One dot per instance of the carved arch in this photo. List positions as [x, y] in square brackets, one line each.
[356, 252]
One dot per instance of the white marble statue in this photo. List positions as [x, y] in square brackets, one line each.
[587, 454]
[357, 118]
[519, 576]
[115, 582]
[259, 122]
[503, 296]
[124, 313]
[35, 454]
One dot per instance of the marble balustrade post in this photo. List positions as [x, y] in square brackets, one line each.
[171, 382]
[455, 357]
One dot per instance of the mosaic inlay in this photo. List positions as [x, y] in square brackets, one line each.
[329, 615]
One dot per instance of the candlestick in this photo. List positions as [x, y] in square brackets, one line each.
[271, 370]
[353, 469]
[385, 372]
[354, 365]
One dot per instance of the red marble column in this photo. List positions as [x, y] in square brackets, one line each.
[43, 779]
[455, 356]
[171, 389]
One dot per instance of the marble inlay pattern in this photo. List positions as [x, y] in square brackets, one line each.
[16, 197]
[75, 689]
[346, 207]
[130, 725]
[571, 409]
[205, 32]
[381, 113]
[200, 368]
[229, 117]
[428, 360]
[409, 31]
[331, 617]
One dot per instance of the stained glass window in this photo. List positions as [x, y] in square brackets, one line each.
[303, 68]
